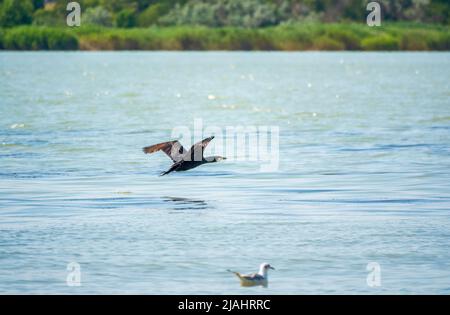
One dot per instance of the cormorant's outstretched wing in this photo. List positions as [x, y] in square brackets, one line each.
[196, 151]
[173, 149]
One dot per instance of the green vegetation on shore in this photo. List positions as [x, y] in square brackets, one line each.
[225, 25]
[306, 36]
[218, 13]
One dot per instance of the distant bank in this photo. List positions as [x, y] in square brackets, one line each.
[296, 37]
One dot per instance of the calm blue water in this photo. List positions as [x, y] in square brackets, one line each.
[364, 173]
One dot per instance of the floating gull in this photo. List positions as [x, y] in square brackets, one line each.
[255, 279]
[184, 160]
[14, 126]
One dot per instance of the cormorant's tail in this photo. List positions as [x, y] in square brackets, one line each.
[171, 169]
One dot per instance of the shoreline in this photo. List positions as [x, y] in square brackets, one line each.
[297, 37]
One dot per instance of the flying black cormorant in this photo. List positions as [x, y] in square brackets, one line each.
[184, 160]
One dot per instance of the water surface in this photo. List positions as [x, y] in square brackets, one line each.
[364, 173]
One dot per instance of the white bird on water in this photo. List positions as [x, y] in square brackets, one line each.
[255, 279]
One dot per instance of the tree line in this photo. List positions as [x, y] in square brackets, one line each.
[217, 13]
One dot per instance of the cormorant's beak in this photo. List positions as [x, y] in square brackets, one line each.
[270, 267]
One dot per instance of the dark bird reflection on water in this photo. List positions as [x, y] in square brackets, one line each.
[187, 203]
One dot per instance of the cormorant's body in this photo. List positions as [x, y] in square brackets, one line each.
[187, 165]
[183, 160]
